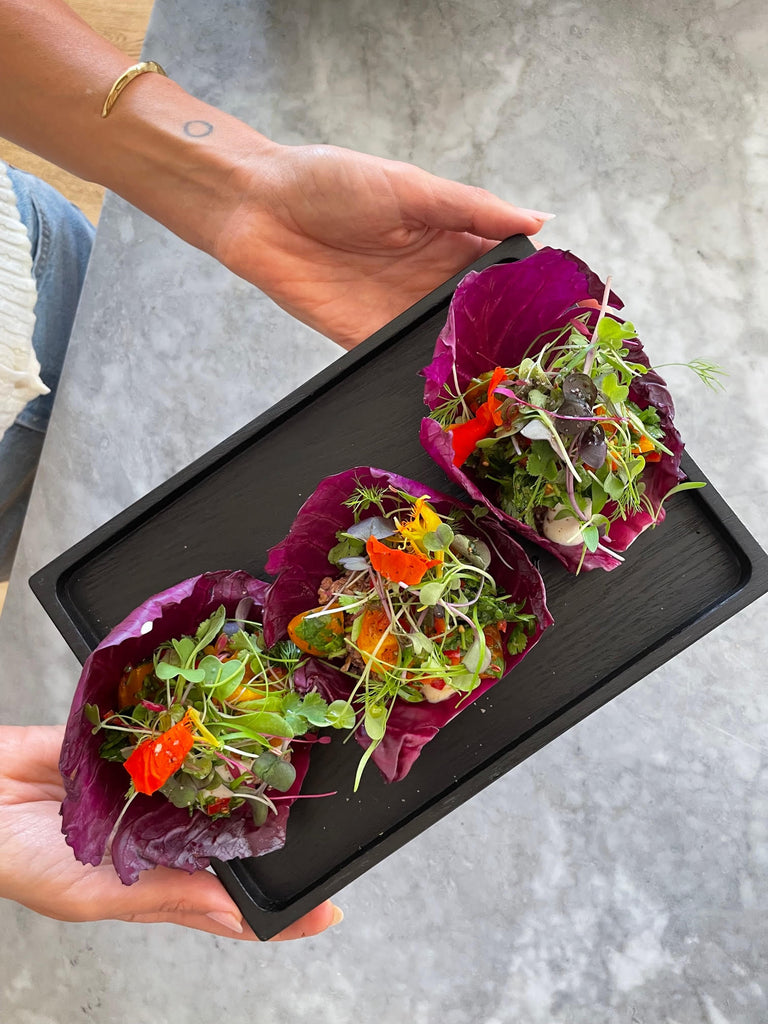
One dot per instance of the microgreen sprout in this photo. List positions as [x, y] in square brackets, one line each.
[424, 622]
[561, 439]
[209, 720]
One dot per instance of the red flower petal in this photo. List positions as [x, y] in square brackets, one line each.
[494, 403]
[466, 435]
[398, 566]
[155, 760]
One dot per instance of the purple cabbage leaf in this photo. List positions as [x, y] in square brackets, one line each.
[152, 831]
[497, 318]
[300, 562]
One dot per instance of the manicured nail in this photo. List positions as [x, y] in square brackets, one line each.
[537, 214]
[227, 919]
[338, 916]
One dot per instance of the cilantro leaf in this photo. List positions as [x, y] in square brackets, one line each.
[541, 461]
[315, 709]
[348, 547]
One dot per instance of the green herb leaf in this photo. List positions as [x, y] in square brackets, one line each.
[599, 498]
[164, 670]
[613, 334]
[541, 461]
[242, 641]
[210, 629]
[183, 648]
[375, 721]
[687, 485]
[439, 539]
[92, 714]
[517, 639]
[230, 677]
[349, 547]
[612, 389]
[614, 487]
[256, 725]
[275, 771]
[315, 709]
[431, 593]
[420, 644]
[591, 537]
[341, 715]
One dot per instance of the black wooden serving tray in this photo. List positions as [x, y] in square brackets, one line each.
[679, 581]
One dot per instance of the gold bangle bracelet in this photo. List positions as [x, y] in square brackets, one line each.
[128, 76]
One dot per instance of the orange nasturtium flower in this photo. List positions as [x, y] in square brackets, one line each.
[466, 435]
[155, 760]
[396, 565]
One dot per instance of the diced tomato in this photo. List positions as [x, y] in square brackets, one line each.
[382, 651]
[436, 684]
[131, 684]
[220, 806]
[492, 636]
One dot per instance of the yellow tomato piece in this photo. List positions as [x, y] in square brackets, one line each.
[321, 634]
[379, 650]
[131, 684]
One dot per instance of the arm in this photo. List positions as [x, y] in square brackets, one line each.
[341, 240]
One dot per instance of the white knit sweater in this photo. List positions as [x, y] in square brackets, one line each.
[19, 369]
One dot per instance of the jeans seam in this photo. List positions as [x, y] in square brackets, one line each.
[43, 238]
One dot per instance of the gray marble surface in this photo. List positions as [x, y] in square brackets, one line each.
[619, 875]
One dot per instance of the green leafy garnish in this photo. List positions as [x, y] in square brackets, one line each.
[238, 701]
[567, 441]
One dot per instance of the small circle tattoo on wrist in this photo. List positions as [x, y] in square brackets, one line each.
[198, 129]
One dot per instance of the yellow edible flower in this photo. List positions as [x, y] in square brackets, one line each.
[423, 520]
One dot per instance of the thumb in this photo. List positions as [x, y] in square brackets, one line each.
[163, 894]
[200, 901]
[451, 206]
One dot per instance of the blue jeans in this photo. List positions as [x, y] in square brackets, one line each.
[61, 239]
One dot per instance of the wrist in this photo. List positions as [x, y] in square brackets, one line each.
[178, 159]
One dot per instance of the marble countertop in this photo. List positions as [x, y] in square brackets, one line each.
[618, 875]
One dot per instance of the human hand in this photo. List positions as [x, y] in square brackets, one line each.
[346, 241]
[39, 870]
[342, 240]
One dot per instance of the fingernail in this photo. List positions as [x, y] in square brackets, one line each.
[537, 214]
[227, 919]
[338, 916]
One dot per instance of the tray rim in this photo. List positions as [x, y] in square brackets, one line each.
[49, 585]
[269, 918]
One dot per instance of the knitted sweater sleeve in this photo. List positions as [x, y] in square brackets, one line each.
[19, 368]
